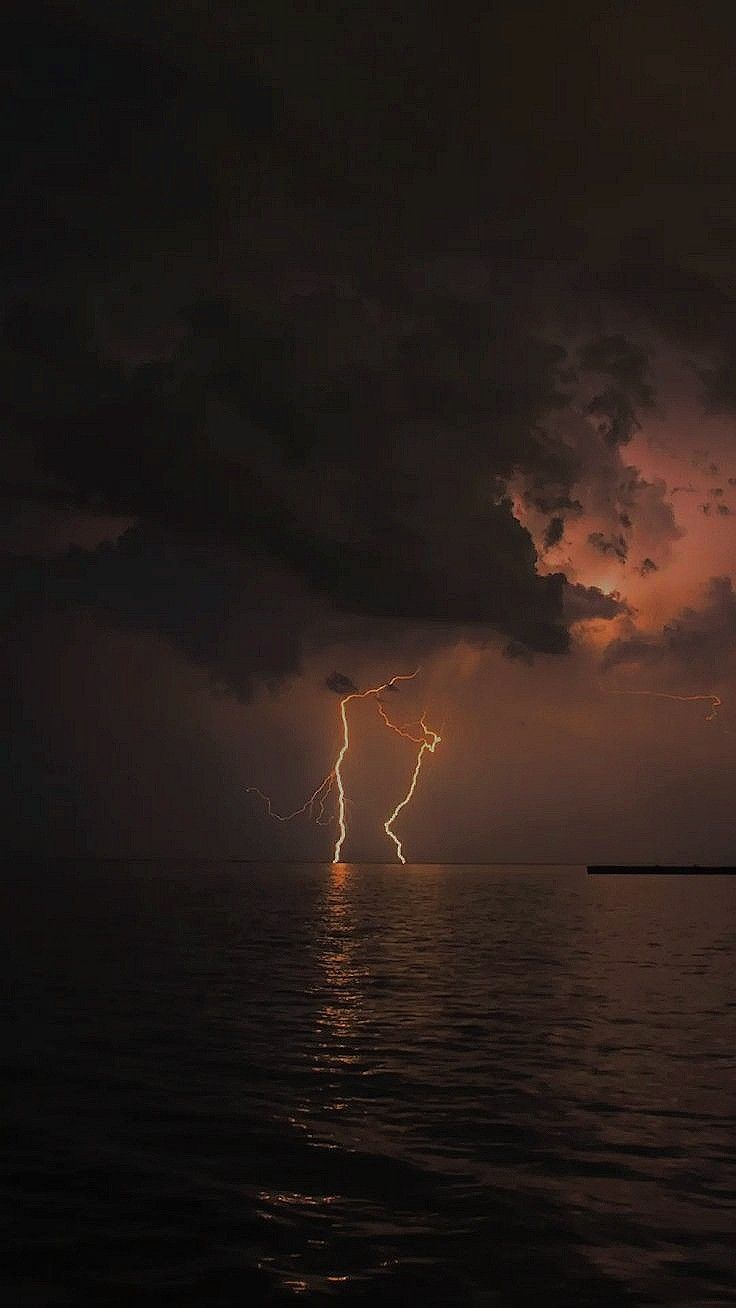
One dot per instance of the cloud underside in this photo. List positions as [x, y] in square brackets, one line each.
[310, 375]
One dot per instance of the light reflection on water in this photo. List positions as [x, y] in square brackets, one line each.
[341, 978]
[346, 1082]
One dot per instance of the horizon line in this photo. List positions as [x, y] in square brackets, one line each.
[314, 862]
[302, 862]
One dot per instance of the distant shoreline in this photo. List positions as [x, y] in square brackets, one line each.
[656, 869]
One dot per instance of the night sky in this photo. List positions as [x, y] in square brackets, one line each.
[346, 340]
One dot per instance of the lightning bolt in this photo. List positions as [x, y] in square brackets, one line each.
[714, 700]
[428, 742]
[400, 731]
[315, 805]
[320, 796]
[337, 770]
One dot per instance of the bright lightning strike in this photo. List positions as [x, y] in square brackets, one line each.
[429, 742]
[315, 805]
[400, 731]
[337, 770]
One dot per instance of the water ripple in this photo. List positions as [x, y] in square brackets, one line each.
[353, 1083]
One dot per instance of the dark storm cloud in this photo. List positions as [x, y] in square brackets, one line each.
[685, 304]
[340, 684]
[626, 364]
[554, 532]
[233, 437]
[239, 622]
[314, 295]
[624, 361]
[356, 432]
[615, 545]
[583, 603]
[548, 501]
[111, 146]
[719, 389]
[265, 298]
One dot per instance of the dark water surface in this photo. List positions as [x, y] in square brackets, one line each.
[276, 1084]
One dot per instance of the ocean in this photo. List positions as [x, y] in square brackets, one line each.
[233, 1083]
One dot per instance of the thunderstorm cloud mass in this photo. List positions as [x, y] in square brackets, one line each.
[366, 347]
